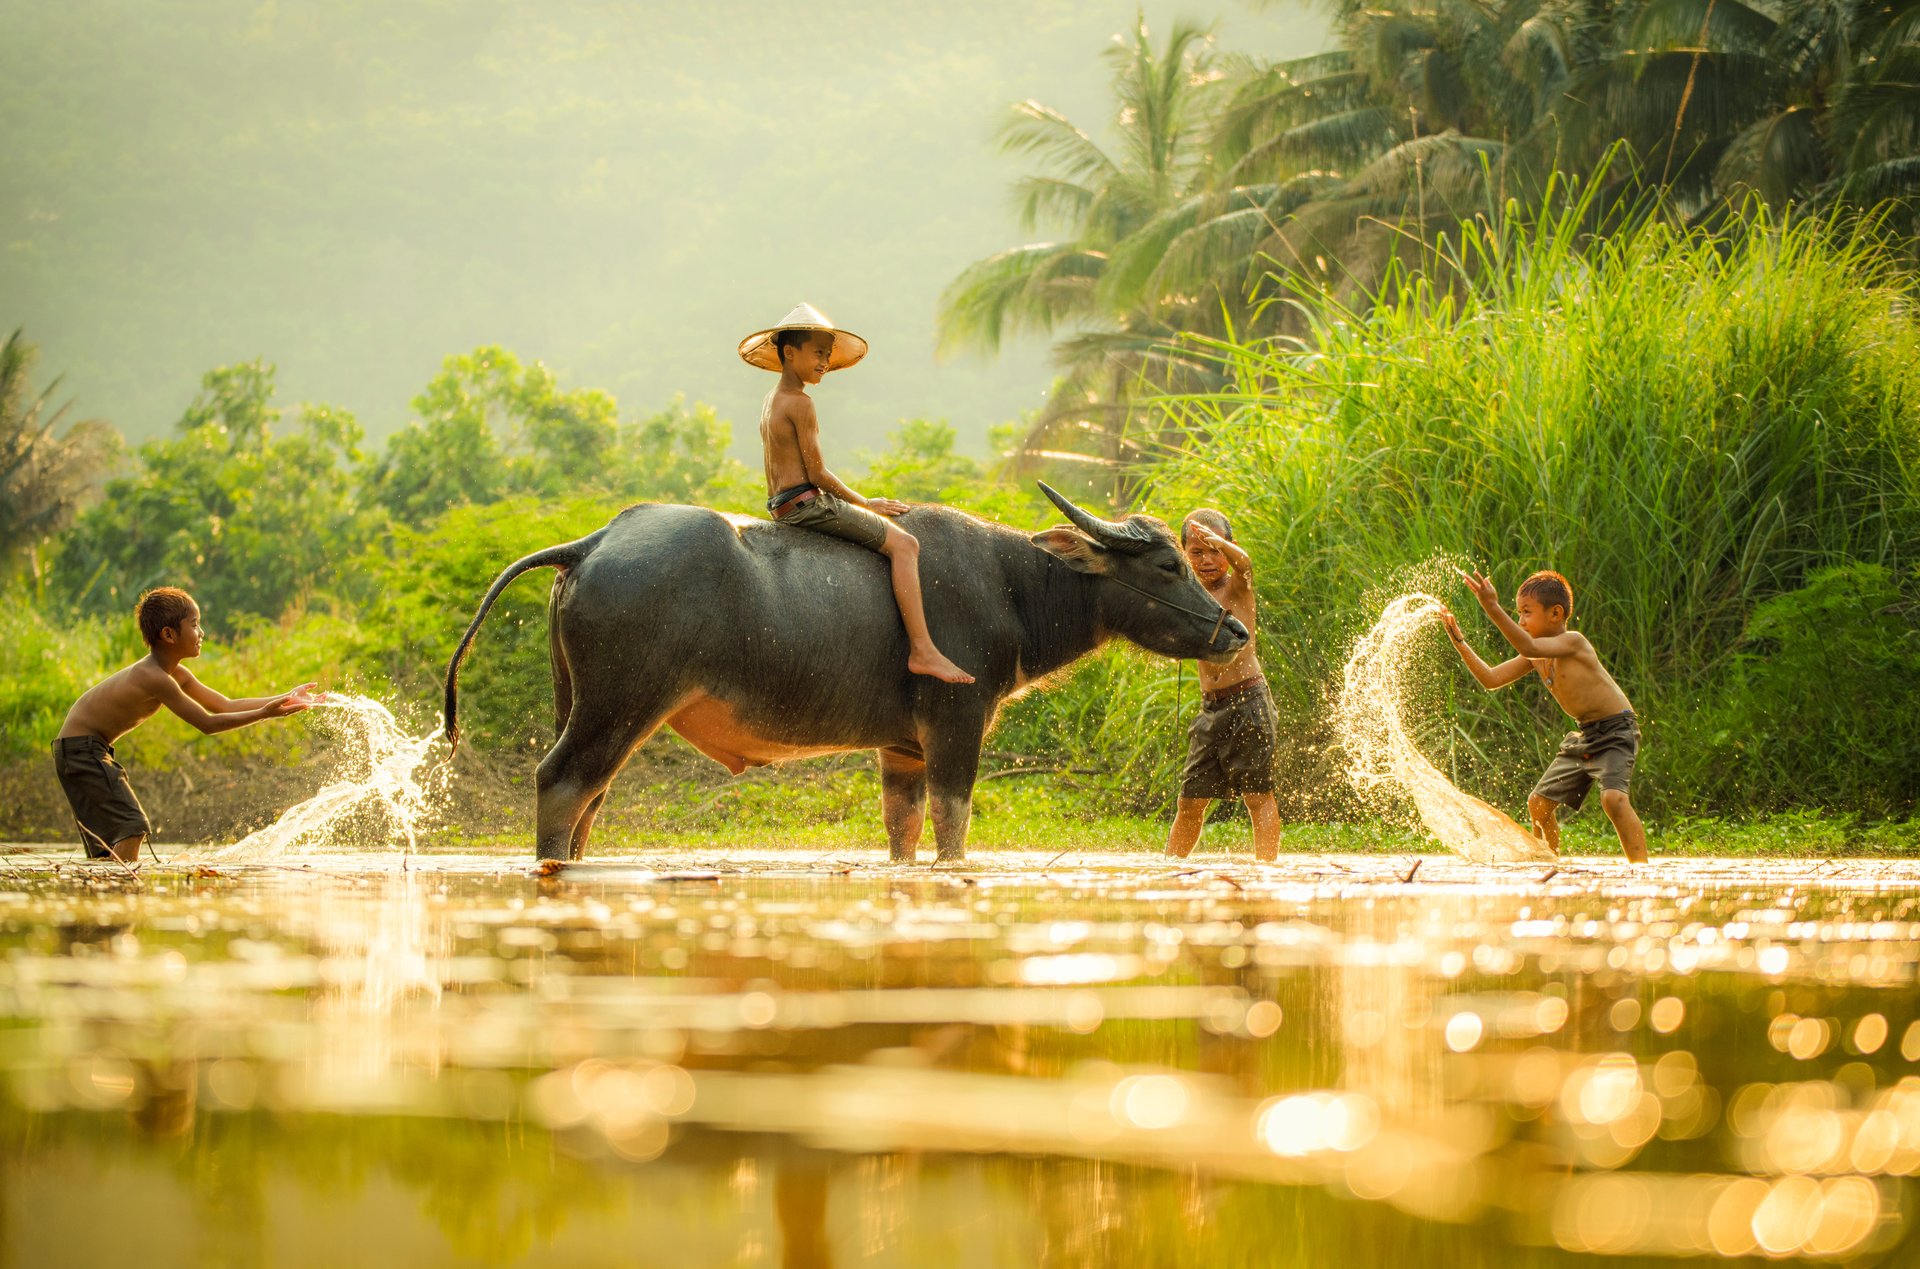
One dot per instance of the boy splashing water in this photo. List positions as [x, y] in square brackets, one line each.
[112, 822]
[1603, 750]
[801, 491]
[1230, 746]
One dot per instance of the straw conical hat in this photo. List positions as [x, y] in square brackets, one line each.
[757, 349]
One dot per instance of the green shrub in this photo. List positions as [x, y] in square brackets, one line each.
[1818, 705]
[419, 588]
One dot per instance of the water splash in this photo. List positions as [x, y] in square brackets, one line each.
[1382, 756]
[379, 791]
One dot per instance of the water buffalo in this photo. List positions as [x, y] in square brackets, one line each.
[759, 643]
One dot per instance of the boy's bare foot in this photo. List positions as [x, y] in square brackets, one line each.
[935, 665]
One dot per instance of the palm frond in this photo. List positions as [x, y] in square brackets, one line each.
[1446, 166]
[1343, 139]
[1048, 200]
[1043, 132]
[1220, 250]
[1886, 181]
[1780, 158]
[1876, 118]
[1028, 289]
[1160, 94]
[1723, 25]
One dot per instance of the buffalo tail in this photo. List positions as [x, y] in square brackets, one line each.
[564, 556]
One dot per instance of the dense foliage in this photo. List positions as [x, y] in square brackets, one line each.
[1718, 444]
[315, 559]
[1239, 187]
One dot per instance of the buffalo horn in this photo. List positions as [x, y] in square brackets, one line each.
[1116, 537]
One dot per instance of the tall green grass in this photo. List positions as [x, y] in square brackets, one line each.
[1686, 425]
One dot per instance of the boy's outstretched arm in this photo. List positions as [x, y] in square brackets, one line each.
[1492, 677]
[806, 431]
[1560, 645]
[216, 703]
[171, 694]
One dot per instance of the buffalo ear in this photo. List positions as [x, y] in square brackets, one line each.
[1074, 547]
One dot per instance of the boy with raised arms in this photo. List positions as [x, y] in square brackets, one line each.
[1604, 748]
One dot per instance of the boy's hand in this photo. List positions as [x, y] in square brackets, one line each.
[1452, 623]
[293, 702]
[1482, 588]
[888, 506]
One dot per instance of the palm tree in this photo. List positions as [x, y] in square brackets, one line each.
[46, 475]
[1793, 101]
[1078, 285]
[1430, 112]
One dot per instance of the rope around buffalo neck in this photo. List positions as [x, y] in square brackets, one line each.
[1218, 622]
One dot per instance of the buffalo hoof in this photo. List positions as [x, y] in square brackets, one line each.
[951, 857]
[901, 856]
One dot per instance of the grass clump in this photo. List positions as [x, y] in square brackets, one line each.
[1717, 441]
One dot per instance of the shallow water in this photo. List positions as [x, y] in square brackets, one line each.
[772, 1058]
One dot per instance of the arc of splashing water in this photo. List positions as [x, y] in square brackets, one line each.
[391, 781]
[1382, 756]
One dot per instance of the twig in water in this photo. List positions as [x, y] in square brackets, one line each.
[1416, 868]
[1551, 874]
[1056, 859]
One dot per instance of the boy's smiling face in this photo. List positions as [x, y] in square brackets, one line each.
[1537, 619]
[187, 637]
[811, 357]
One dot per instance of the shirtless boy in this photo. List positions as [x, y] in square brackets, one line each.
[801, 492]
[1230, 746]
[1603, 750]
[112, 823]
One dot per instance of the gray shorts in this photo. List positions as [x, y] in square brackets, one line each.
[96, 787]
[1602, 752]
[1230, 746]
[824, 513]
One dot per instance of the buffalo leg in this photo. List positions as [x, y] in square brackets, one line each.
[573, 777]
[903, 802]
[584, 826]
[952, 763]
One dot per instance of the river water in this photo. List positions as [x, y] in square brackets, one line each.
[787, 1058]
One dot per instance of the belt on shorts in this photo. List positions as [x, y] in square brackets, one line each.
[1612, 724]
[1233, 690]
[789, 500]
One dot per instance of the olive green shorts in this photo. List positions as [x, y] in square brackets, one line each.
[1602, 752]
[96, 787]
[827, 514]
[1230, 747]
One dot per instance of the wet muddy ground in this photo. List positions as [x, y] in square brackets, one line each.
[768, 1058]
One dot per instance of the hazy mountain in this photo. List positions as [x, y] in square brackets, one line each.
[354, 188]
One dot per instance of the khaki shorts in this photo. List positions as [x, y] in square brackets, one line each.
[1602, 752]
[96, 787]
[1230, 746]
[824, 513]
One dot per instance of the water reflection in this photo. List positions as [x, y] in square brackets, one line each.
[783, 1059]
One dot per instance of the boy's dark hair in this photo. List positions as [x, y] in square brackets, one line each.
[161, 608]
[1549, 588]
[1212, 519]
[785, 339]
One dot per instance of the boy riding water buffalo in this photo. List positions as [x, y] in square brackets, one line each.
[758, 644]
